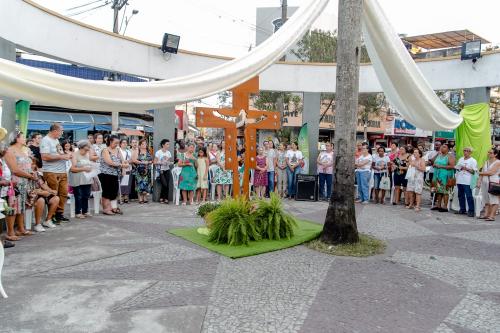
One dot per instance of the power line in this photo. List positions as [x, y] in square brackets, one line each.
[84, 5]
[91, 9]
[235, 19]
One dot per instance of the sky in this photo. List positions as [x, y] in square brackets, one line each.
[227, 27]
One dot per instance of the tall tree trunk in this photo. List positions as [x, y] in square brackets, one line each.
[340, 223]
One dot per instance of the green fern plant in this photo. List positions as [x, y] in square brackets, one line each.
[206, 208]
[233, 223]
[272, 221]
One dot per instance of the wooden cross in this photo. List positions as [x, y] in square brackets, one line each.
[239, 116]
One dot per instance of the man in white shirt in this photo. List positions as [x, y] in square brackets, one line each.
[54, 167]
[466, 167]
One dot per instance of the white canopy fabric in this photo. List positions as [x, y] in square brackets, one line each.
[402, 82]
[40, 86]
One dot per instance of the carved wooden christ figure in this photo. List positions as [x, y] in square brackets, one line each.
[239, 116]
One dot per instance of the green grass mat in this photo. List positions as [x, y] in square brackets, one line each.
[306, 231]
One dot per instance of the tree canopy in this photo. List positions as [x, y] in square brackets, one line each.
[321, 46]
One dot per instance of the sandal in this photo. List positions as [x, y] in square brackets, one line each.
[482, 217]
[108, 213]
[117, 211]
[13, 238]
[24, 233]
[417, 209]
[490, 219]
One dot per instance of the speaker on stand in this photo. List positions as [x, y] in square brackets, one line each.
[307, 188]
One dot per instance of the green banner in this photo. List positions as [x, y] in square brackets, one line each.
[474, 132]
[304, 147]
[22, 113]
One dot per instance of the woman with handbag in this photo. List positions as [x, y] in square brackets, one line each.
[443, 181]
[142, 161]
[399, 169]
[489, 184]
[125, 179]
[415, 180]
[110, 167]
[380, 171]
[80, 164]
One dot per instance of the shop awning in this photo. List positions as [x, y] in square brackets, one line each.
[444, 40]
[130, 132]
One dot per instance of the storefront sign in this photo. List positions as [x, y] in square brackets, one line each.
[402, 127]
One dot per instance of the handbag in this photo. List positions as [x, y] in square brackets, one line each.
[385, 183]
[493, 188]
[410, 174]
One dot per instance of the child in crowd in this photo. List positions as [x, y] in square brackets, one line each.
[260, 175]
[202, 172]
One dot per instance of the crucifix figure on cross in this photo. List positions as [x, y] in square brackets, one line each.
[239, 116]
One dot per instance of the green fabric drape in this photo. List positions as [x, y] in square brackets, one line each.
[303, 141]
[474, 132]
[22, 113]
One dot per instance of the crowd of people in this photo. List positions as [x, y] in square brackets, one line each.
[203, 169]
[406, 169]
[41, 174]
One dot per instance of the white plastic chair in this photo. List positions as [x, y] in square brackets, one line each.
[71, 199]
[478, 201]
[371, 184]
[2, 291]
[176, 173]
[28, 218]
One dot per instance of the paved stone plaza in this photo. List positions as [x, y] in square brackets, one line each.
[440, 273]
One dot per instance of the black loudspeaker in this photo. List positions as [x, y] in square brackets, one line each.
[307, 188]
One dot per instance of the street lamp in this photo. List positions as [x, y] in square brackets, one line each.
[128, 19]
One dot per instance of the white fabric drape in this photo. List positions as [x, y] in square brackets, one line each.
[400, 78]
[19, 81]
[402, 82]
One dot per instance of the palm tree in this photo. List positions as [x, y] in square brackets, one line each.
[340, 223]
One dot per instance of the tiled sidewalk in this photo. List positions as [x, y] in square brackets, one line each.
[440, 273]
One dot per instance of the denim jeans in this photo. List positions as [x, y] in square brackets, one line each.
[81, 194]
[363, 180]
[292, 180]
[270, 181]
[325, 178]
[464, 192]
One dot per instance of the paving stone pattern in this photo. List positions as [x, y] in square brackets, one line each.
[440, 273]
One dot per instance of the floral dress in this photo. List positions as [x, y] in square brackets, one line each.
[260, 177]
[223, 177]
[441, 176]
[188, 178]
[142, 174]
[23, 188]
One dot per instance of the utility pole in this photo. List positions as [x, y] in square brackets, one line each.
[284, 9]
[340, 223]
[117, 6]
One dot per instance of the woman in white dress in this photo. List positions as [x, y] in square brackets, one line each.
[489, 174]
